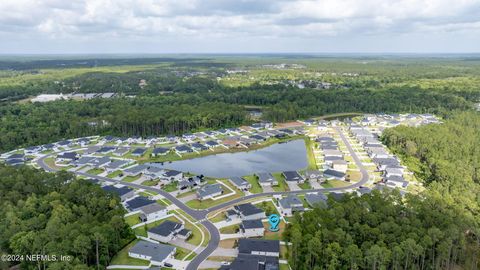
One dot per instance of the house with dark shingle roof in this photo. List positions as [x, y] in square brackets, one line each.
[209, 191]
[248, 211]
[181, 149]
[165, 232]
[155, 253]
[240, 183]
[160, 151]
[333, 174]
[290, 204]
[139, 152]
[252, 228]
[293, 176]
[314, 199]
[259, 247]
[123, 192]
[266, 179]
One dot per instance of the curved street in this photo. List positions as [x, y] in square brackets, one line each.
[200, 215]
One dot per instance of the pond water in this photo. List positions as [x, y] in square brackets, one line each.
[286, 156]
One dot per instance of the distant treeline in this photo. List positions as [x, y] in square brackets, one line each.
[90, 62]
[199, 104]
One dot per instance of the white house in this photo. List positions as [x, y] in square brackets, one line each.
[252, 228]
[156, 253]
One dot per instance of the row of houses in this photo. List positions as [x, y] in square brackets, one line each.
[388, 164]
[335, 165]
[255, 254]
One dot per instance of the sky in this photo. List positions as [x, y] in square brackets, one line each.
[239, 26]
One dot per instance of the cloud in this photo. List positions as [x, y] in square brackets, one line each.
[223, 20]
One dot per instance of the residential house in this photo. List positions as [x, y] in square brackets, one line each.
[120, 151]
[259, 247]
[316, 199]
[314, 175]
[198, 147]
[155, 253]
[172, 175]
[67, 157]
[254, 262]
[116, 165]
[252, 228]
[333, 174]
[138, 152]
[240, 183]
[290, 204]
[165, 232]
[293, 176]
[160, 151]
[105, 150]
[123, 192]
[332, 153]
[182, 149]
[248, 211]
[211, 144]
[209, 191]
[340, 165]
[266, 179]
[135, 170]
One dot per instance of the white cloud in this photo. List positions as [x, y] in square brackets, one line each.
[303, 20]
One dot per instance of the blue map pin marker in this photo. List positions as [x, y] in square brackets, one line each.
[274, 220]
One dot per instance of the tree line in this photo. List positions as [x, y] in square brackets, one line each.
[56, 214]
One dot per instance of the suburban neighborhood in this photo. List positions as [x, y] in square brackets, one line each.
[182, 218]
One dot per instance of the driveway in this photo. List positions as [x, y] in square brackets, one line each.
[210, 265]
[181, 243]
[315, 184]
[293, 186]
[227, 252]
[267, 188]
[188, 198]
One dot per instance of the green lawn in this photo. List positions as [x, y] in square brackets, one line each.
[256, 188]
[282, 186]
[197, 204]
[310, 145]
[122, 258]
[305, 185]
[230, 229]
[142, 230]
[132, 219]
[114, 174]
[131, 178]
[95, 171]
[268, 207]
[181, 253]
[334, 183]
[170, 187]
[150, 183]
[219, 217]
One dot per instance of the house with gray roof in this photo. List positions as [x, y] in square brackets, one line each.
[123, 192]
[266, 179]
[135, 170]
[290, 204]
[259, 247]
[240, 183]
[160, 151]
[248, 211]
[313, 175]
[333, 174]
[293, 176]
[314, 199]
[116, 165]
[120, 151]
[165, 232]
[155, 253]
[209, 191]
[252, 228]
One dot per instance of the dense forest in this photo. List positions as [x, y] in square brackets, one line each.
[437, 229]
[55, 214]
[202, 104]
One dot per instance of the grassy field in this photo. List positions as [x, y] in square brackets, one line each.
[150, 183]
[170, 187]
[230, 229]
[305, 185]
[114, 174]
[95, 171]
[142, 230]
[131, 178]
[310, 145]
[219, 217]
[273, 235]
[256, 188]
[132, 219]
[282, 186]
[181, 253]
[122, 258]
[334, 183]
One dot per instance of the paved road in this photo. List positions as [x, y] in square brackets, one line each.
[200, 215]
